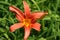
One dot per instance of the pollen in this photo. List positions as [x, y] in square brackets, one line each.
[27, 22]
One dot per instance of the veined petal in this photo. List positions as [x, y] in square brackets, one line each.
[26, 9]
[16, 26]
[18, 18]
[39, 15]
[17, 11]
[36, 26]
[27, 32]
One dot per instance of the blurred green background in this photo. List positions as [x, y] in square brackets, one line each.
[50, 29]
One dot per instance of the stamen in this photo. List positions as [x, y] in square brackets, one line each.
[27, 22]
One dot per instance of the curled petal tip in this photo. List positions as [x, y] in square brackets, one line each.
[46, 12]
[36, 26]
[11, 8]
[16, 26]
[26, 9]
[38, 30]
[11, 30]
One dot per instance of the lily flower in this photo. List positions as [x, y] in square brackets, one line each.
[27, 20]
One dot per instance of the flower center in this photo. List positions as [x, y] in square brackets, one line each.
[27, 22]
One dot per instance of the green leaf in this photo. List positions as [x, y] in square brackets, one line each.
[42, 38]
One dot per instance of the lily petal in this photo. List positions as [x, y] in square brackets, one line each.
[18, 18]
[36, 26]
[16, 26]
[39, 15]
[26, 8]
[17, 11]
[27, 32]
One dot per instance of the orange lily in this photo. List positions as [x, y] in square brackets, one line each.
[26, 19]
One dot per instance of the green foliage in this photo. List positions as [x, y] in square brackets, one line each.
[50, 29]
